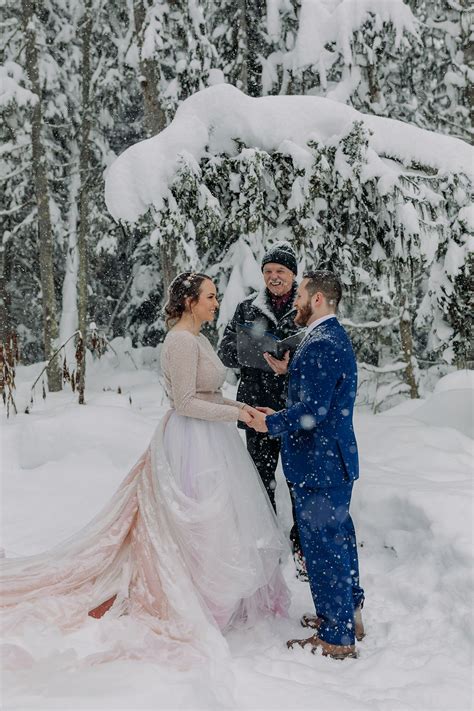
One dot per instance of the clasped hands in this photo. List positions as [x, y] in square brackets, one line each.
[255, 417]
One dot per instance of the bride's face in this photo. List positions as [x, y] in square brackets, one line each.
[205, 308]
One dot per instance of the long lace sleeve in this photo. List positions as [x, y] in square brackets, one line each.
[182, 360]
[233, 403]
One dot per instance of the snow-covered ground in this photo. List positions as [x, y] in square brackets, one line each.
[412, 509]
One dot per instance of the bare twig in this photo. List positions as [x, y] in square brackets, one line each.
[119, 302]
[76, 333]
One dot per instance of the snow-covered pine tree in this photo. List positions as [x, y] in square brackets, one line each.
[58, 80]
[26, 44]
[439, 71]
[172, 55]
[447, 294]
[112, 99]
[339, 49]
[239, 33]
[282, 21]
[95, 61]
[409, 60]
[395, 230]
[17, 278]
[171, 52]
[116, 121]
[228, 32]
[105, 89]
[188, 225]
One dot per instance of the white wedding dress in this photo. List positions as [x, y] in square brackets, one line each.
[187, 548]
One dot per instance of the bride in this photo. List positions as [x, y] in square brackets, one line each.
[188, 546]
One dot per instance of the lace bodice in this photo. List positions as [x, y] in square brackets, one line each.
[194, 376]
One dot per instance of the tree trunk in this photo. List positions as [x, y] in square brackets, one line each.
[243, 31]
[84, 173]
[5, 323]
[253, 11]
[69, 323]
[168, 267]
[155, 118]
[374, 89]
[155, 121]
[407, 347]
[45, 236]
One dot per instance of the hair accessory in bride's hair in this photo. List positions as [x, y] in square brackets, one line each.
[189, 279]
[181, 281]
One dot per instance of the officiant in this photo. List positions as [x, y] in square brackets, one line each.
[270, 310]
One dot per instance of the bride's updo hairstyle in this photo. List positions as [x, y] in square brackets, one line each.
[186, 285]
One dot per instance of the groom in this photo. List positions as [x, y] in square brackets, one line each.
[319, 453]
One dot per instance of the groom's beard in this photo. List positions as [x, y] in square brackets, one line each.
[303, 315]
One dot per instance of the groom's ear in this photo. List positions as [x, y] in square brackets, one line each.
[318, 298]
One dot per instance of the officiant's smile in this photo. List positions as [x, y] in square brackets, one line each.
[278, 279]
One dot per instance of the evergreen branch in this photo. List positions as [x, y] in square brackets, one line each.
[456, 6]
[7, 148]
[9, 39]
[14, 174]
[25, 221]
[390, 368]
[17, 208]
[10, 21]
[383, 323]
[57, 125]
[119, 302]
[466, 129]
[60, 179]
[97, 71]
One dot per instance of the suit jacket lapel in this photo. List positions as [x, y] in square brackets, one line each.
[313, 332]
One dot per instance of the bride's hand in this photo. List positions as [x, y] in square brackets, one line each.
[244, 415]
[247, 414]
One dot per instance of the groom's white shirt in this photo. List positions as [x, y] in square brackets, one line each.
[317, 322]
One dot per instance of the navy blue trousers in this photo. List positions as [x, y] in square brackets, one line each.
[329, 545]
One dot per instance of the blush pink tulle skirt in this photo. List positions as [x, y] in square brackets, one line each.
[187, 548]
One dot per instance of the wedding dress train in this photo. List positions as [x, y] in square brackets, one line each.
[187, 548]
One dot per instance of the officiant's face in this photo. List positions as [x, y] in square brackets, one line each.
[278, 279]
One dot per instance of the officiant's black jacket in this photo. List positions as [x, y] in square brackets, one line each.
[258, 387]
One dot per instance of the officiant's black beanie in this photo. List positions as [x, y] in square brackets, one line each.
[281, 253]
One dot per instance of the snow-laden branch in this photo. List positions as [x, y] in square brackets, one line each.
[320, 26]
[389, 368]
[383, 323]
[212, 119]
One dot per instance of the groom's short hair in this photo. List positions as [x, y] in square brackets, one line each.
[327, 283]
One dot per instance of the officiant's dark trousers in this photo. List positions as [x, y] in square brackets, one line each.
[265, 451]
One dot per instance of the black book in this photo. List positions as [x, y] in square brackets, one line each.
[252, 343]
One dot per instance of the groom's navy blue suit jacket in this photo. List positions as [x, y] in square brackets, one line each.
[319, 448]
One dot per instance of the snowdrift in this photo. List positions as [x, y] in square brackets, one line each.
[413, 512]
